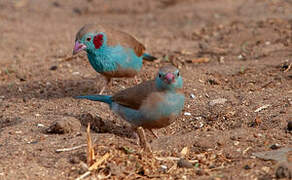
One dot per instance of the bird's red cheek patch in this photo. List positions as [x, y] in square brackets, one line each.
[97, 41]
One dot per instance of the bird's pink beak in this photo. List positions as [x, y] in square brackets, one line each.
[78, 47]
[169, 78]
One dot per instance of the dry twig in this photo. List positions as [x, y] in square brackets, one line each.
[71, 148]
[90, 149]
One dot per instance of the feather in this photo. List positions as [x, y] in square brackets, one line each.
[134, 97]
[115, 37]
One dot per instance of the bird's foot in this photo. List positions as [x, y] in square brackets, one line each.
[136, 80]
[143, 142]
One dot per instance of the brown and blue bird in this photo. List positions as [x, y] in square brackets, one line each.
[111, 52]
[151, 105]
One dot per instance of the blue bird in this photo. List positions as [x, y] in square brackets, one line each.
[152, 104]
[112, 53]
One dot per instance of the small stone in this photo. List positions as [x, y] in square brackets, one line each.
[289, 126]
[163, 167]
[267, 43]
[115, 169]
[284, 170]
[199, 172]
[74, 160]
[96, 123]
[21, 77]
[53, 68]
[40, 125]
[77, 11]
[192, 96]
[217, 101]
[65, 125]
[75, 73]
[56, 4]
[240, 56]
[266, 169]
[236, 143]
[247, 167]
[198, 118]
[187, 114]
[182, 163]
[213, 82]
[275, 146]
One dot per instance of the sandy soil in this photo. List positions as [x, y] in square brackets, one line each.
[245, 49]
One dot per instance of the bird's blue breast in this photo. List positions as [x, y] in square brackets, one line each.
[111, 58]
[172, 104]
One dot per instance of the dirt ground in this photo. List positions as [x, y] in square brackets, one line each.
[234, 57]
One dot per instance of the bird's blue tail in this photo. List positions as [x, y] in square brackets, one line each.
[148, 57]
[101, 98]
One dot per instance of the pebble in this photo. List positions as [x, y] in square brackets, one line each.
[182, 163]
[37, 115]
[65, 125]
[284, 170]
[275, 146]
[53, 68]
[192, 96]
[198, 118]
[75, 73]
[289, 126]
[236, 143]
[96, 123]
[267, 43]
[247, 167]
[40, 125]
[187, 114]
[163, 167]
[240, 56]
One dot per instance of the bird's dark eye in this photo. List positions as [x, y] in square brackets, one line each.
[177, 74]
[159, 75]
[88, 39]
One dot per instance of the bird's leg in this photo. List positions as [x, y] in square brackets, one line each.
[143, 141]
[154, 134]
[108, 85]
[134, 129]
[136, 80]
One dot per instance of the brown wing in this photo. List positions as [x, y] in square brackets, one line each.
[133, 97]
[114, 37]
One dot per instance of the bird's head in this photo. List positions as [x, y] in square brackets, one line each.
[88, 39]
[169, 78]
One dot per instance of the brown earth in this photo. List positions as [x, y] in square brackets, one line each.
[245, 50]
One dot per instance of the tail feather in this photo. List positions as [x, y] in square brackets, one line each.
[101, 98]
[148, 57]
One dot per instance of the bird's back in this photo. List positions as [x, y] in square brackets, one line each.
[144, 105]
[134, 97]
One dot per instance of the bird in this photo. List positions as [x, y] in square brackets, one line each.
[111, 52]
[152, 104]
